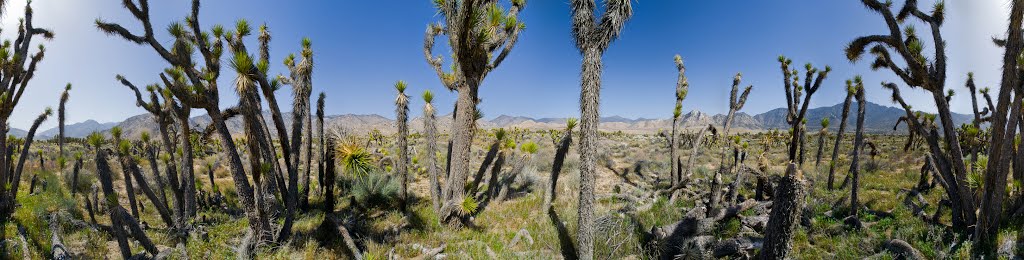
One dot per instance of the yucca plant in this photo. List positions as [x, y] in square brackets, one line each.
[375, 189]
[556, 167]
[355, 160]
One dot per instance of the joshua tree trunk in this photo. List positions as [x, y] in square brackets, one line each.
[60, 119]
[785, 215]
[430, 160]
[153, 166]
[803, 143]
[129, 165]
[103, 171]
[188, 183]
[858, 143]
[402, 119]
[821, 145]
[462, 140]
[850, 92]
[798, 109]
[329, 177]
[74, 175]
[129, 187]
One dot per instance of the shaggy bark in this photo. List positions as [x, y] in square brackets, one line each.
[592, 40]
[430, 133]
[858, 143]
[784, 216]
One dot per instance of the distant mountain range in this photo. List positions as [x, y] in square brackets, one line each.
[879, 119]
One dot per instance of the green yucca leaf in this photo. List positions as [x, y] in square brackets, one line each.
[95, 139]
[468, 205]
[124, 146]
[144, 136]
[242, 27]
[116, 132]
[400, 86]
[571, 123]
[428, 96]
[218, 30]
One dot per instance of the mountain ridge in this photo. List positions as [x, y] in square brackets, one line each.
[880, 119]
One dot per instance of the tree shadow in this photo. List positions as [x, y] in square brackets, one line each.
[564, 239]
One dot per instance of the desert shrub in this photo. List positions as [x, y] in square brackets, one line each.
[375, 189]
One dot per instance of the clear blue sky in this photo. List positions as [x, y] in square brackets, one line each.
[363, 47]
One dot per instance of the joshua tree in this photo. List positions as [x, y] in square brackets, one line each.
[60, 118]
[129, 166]
[821, 140]
[477, 47]
[301, 79]
[930, 74]
[165, 117]
[121, 222]
[858, 144]
[682, 87]
[785, 215]
[402, 119]
[851, 91]
[797, 109]
[735, 104]
[556, 168]
[592, 36]
[430, 134]
[129, 188]
[19, 70]
[194, 84]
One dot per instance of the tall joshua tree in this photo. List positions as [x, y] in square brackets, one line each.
[821, 140]
[480, 34]
[402, 119]
[797, 109]
[682, 87]
[60, 118]
[858, 144]
[930, 74]
[164, 118]
[592, 36]
[18, 71]
[851, 91]
[430, 133]
[301, 79]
